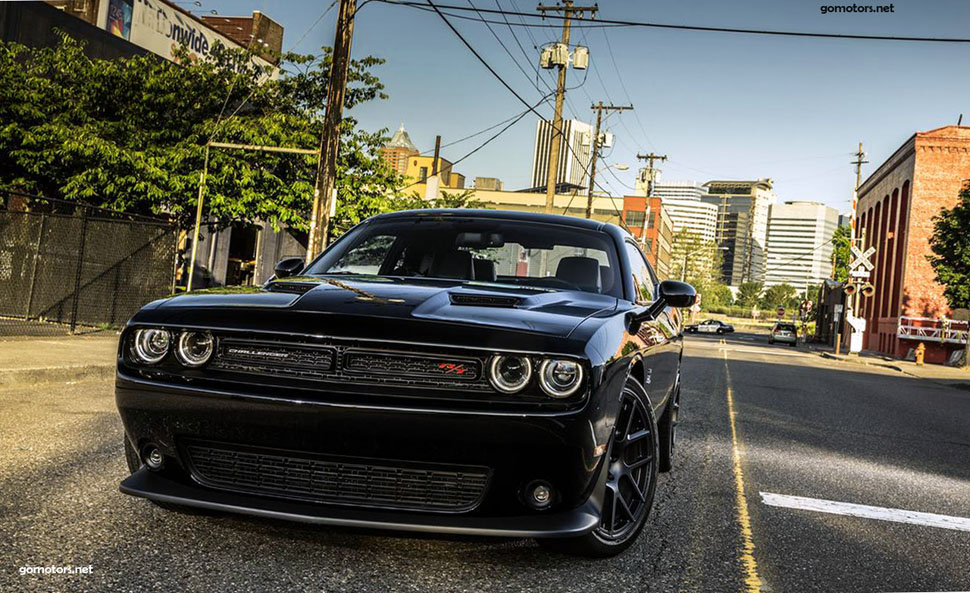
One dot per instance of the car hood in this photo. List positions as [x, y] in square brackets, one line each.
[555, 313]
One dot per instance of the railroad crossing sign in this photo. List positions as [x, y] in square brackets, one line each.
[860, 259]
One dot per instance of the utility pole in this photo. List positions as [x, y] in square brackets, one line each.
[600, 108]
[651, 172]
[324, 193]
[568, 11]
[860, 159]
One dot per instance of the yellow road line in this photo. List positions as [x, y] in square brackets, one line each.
[752, 582]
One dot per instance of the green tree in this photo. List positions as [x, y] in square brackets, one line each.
[841, 247]
[464, 199]
[749, 294]
[950, 244]
[130, 134]
[703, 260]
[779, 295]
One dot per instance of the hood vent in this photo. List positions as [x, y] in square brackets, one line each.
[484, 300]
[291, 287]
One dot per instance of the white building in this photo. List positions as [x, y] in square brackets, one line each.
[800, 244]
[679, 190]
[742, 227]
[693, 215]
[573, 164]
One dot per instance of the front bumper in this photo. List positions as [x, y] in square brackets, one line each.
[560, 449]
[147, 484]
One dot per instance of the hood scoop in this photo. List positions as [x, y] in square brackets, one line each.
[291, 287]
[484, 300]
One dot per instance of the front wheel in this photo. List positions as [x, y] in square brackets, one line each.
[630, 484]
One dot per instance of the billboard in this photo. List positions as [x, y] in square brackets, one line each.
[161, 28]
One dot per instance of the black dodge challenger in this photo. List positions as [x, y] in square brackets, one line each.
[450, 371]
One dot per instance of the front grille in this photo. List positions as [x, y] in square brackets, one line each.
[348, 365]
[273, 358]
[407, 365]
[332, 481]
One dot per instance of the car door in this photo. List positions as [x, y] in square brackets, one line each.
[657, 338]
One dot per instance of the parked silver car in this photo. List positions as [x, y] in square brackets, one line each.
[785, 333]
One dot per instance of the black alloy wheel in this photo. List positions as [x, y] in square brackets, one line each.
[631, 480]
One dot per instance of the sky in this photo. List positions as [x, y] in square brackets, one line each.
[719, 105]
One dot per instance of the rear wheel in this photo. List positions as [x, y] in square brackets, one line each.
[134, 464]
[630, 484]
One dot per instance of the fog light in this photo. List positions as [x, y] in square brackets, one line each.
[539, 494]
[153, 458]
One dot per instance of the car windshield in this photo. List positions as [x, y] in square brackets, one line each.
[481, 250]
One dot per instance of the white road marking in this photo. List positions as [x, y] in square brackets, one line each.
[770, 351]
[866, 511]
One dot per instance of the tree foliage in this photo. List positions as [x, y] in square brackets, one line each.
[779, 295]
[749, 294]
[950, 244]
[841, 247]
[130, 134]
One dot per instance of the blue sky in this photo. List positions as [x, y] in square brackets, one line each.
[719, 105]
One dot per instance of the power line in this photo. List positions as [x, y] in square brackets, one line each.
[515, 93]
[627, 23]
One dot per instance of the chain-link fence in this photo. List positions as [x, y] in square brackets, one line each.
[66, 267]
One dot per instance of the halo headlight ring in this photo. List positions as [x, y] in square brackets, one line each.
[194, 348]
[150, 345]
[560, 378]
[509, 373]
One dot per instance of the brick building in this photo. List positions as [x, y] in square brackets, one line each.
[896, 207]
[655, 233]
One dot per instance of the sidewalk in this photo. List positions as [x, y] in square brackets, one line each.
[58, 358]
[950, 376]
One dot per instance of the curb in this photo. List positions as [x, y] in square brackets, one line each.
[55, 374]
[865, 362]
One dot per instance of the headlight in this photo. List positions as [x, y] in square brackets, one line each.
[510, 374]
[150, 345]
[560, 378]
[194, 348]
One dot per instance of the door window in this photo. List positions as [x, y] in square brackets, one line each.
[643, 281]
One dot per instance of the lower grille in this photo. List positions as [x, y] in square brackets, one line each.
[350, 482]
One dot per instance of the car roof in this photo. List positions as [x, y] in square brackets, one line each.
[559, 219]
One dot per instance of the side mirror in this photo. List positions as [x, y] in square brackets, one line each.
[670, 293]
[676, 294]
[289, 266]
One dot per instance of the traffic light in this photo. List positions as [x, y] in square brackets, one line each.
[850, 289]
[868, 290]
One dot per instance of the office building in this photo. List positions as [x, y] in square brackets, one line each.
[799, 246]
[742, 227]
[573, 160]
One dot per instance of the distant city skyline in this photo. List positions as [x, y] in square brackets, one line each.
[720, 105]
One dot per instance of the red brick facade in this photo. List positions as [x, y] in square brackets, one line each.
[896, 207]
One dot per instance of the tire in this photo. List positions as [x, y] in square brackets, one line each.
[720, 332]
[634, 459]
[771, 341]
[667, 432]
[134, 464]
[794, 344]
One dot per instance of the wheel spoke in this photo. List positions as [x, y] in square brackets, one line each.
[632, 438]
[626, 507]
[636, 488]
[640, 462]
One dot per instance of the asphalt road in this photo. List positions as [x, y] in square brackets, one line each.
[802, 426]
